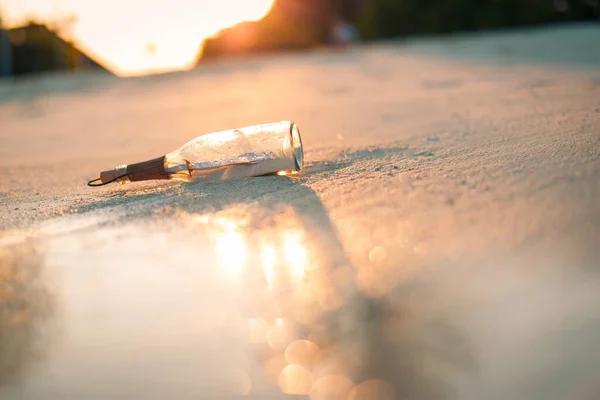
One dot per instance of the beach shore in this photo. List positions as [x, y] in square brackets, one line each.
[442, 238]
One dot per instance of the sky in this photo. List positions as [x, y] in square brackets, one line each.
[121, 34]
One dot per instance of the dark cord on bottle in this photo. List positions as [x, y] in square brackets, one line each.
[92, 184]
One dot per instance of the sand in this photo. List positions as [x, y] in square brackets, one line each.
[441, 242]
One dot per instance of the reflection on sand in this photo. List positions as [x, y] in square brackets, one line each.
[280, 265]
[249, 299]
[295, 254]
[297, 291]
[232, 250]
[268, 262]
[283, 254]
[261, 299]
[25, 307]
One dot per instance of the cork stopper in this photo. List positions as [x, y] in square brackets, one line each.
[142, 171]
[147, 170]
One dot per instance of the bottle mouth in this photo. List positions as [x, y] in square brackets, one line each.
[297, 146]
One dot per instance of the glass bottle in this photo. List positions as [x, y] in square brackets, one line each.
[238, 153]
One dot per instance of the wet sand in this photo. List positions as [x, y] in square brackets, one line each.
[442, 241]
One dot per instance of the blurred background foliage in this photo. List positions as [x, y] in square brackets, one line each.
[301, 24]
[392, 18]
[298, 24]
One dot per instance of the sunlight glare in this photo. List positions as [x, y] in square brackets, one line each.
[295, 254]
[269, 258]
[287, 173]
[231, 249]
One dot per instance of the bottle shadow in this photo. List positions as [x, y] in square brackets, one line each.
[139, 199]
[377, 340]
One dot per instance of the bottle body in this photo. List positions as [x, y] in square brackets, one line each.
[238, 153]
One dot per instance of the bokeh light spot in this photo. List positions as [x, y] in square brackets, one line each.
[331, 387]
[377, 255]
[295, 379]
[301, 352]
[373, 389]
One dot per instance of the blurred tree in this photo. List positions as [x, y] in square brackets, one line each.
[5, 51]
[37, 48]
[390, 18]
[299, 24]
